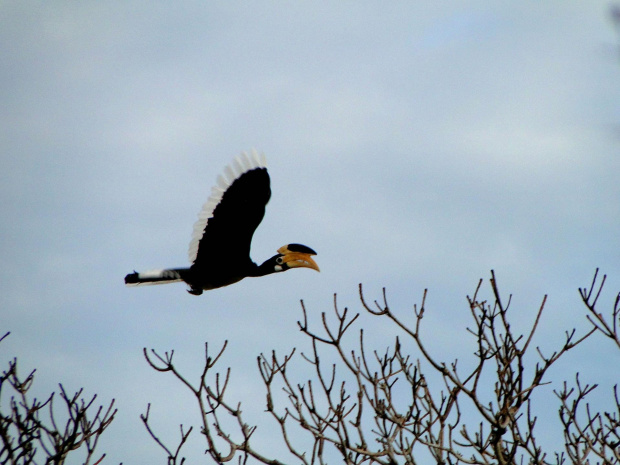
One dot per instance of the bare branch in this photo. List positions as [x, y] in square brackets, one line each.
[31, 430]
[393, 406]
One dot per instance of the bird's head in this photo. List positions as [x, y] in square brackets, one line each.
[294, 256]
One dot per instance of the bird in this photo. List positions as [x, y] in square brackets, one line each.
[219, 251]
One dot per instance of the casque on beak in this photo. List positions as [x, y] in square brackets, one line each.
[298, 256]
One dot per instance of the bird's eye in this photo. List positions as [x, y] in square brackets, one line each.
[279, 260]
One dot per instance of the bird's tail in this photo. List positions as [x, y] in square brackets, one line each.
[154, 277]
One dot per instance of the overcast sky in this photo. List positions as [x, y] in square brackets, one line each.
[411, 145]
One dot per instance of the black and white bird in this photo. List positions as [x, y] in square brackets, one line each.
[219, 251]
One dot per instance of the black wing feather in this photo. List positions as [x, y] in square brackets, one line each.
[225, 245]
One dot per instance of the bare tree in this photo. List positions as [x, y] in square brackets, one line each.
[398, 406]
[32, 431]
[587, 433]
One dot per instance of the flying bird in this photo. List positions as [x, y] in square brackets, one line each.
[219, 251]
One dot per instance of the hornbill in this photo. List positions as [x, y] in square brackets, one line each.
[220, 247]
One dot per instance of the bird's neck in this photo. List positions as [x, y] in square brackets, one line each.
[265, 268]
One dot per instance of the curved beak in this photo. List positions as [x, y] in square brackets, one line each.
[298, 256]
[299, 260]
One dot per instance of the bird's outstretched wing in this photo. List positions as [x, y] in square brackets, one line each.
[223, 233]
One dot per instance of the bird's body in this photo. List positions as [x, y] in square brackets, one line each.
[220, 246]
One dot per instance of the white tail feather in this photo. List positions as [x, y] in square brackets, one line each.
[152, 277]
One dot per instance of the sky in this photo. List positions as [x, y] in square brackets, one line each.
[413, 145]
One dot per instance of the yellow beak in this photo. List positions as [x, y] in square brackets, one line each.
[299, 260]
